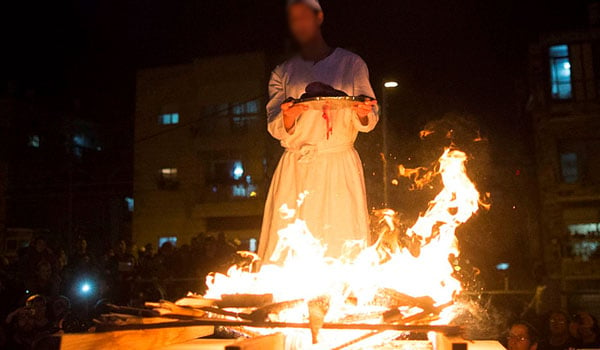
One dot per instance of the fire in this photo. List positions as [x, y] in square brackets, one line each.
[406, 273]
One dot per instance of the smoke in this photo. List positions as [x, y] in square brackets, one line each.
[480, 319]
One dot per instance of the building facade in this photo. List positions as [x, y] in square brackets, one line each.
[565, 108]
[201, 150]
[61, 175]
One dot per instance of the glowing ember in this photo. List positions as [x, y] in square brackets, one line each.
[403, 280]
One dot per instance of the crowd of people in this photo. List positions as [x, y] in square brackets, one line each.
[558, 332]
[46, 290]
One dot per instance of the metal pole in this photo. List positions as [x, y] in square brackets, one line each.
[384, 127]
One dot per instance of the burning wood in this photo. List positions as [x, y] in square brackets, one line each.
[404, 277]
[317, 309]
[394, 315]
[260, 314]
[244, 300]
[393, 299]
[391, 235]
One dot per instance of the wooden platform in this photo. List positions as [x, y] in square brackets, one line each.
[147, 339]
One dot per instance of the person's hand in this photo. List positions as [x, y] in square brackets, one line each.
[364, 108]
[291, 112]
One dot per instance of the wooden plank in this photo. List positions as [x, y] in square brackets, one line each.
[231, 323]
[202, 344]
[266, 342]
[146, 339]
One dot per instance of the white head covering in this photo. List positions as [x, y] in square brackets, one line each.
[314, 4]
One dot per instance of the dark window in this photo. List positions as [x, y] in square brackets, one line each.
[580, 161]
[227, 118]
[569, 167]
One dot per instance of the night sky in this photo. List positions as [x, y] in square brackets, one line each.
[449, 56]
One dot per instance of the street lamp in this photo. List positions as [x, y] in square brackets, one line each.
[387, 86]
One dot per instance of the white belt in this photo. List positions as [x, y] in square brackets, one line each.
[308, 152]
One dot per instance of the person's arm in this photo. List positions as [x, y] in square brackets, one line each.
[282, 117]
[366, 114]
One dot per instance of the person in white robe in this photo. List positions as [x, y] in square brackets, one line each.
[320, 162]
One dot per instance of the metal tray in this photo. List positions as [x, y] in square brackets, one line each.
[334, 102]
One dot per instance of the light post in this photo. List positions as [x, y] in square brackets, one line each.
[388, 85]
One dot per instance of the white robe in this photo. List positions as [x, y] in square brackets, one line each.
[328, 169]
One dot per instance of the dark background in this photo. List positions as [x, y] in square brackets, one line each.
[467, 57]
[463, 56]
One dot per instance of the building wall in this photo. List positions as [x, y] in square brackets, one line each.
[206, 94]
[567, 137]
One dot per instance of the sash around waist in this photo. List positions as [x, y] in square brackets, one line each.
[309, 152]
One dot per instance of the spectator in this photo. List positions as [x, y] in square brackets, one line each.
[81, 259]
[559, 337]
[62, 260]
[587, 330]
[124, 273]
[36, 252]
[43, 281]
[29, 322]
[522, 336]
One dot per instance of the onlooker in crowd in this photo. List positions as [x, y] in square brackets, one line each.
[123, 272]
[81, 259]
[522, 336]
[43, 281]
[559, 337]
[37, 251]
[29, 322]
[588, 332]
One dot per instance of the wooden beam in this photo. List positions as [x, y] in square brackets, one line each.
[147, 339]
[266, 342]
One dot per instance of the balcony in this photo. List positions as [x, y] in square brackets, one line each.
[231, 192]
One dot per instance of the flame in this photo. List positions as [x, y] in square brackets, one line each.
[412, 262]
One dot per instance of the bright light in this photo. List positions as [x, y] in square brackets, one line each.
[502, 266]
[567, 65]
[85, 288]
[238, 170]
[390, 84]
[365, 272]
[252, 245]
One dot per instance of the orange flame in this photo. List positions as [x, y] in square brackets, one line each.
[353, 280]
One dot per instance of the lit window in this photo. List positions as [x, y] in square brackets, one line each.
[80, 140]
[237, 171]
[252, 245]
[584, 244]
[169, 118]
[569, 167]
[238, 109]
[238, 190]
[560, 72]
[589, 229]
[34, 141]
[130, 203]
[252, 107]
[168, 179]
[168, 239]
[168, 173]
